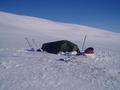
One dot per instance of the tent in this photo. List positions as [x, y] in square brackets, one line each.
[60, 46]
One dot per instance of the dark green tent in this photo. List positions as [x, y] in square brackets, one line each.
[59, 46]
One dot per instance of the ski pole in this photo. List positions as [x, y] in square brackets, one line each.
[29, 43]
[84, 43]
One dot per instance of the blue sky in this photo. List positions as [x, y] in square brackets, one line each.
[103, 14]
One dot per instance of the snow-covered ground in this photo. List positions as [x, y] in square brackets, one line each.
[23, 70]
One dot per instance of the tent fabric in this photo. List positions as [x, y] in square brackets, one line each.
[60, 46]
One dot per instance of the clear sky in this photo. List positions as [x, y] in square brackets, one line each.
[103, 14]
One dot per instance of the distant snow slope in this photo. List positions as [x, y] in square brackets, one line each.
[22, 70]
[14, 28]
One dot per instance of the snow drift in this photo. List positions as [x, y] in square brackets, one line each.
[22, 70]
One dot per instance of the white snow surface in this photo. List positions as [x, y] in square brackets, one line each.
[23, 70]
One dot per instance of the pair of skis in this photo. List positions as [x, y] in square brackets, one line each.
[31, 45]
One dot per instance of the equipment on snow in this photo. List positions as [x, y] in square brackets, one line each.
[29, 44]
[89, 52]
[36, 45]
[60, 46]
[31, 47]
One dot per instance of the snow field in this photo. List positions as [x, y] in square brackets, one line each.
[23, 70]
[34, 70]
